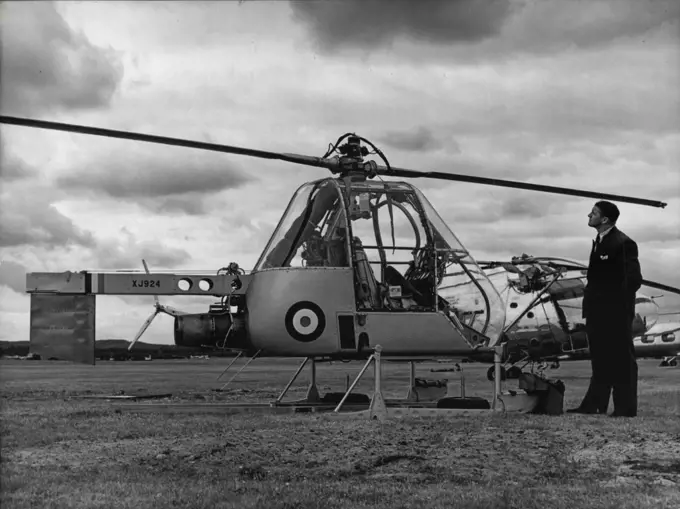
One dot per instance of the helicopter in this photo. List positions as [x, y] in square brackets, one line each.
[544, 298]
[332, 282]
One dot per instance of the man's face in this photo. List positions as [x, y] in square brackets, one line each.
[595, 218]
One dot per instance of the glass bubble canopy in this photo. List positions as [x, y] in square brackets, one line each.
[392, 228]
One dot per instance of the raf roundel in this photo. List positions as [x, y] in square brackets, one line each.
[305, 321]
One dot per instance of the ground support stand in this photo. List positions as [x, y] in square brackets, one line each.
[312, 391]
[381, 409]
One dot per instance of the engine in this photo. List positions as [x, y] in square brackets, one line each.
[201, 329]
[223, 326]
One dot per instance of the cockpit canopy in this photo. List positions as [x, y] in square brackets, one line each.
[391, 229]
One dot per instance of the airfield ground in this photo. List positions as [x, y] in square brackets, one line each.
[62, 450]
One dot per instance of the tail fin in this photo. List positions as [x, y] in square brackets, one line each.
[63, 327]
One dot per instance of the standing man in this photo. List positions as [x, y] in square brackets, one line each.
[609, 308]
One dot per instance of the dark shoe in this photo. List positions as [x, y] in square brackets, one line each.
[579, 410]
[622, 414]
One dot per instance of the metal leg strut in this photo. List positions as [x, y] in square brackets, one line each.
[354, 384]
[377, 408]
[312, 391]
[230, 365]
[292, 380]
[242, 368]
[497, 359]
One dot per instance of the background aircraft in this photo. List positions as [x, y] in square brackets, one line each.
[544, 318]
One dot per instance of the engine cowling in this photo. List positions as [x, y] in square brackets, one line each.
[201, 329]
[210, 330]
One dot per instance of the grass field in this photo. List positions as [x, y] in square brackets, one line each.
[62, 450]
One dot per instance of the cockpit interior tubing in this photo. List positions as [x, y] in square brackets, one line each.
[408, 216]
[479, 287]
[378, 241]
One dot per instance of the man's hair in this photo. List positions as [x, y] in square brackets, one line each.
[609, 210]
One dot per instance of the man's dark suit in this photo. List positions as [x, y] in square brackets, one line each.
[609, 308]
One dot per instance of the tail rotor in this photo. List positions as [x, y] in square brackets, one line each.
[159, 308]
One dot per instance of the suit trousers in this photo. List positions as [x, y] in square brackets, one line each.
[614, 367]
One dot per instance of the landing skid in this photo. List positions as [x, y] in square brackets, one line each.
[418, 402]
[381, 408]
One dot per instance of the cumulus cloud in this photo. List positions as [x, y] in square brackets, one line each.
[125, 250]
[545, 26]
[48, 65]
[13, 275]
[33, 222]
[192, 204]
[27, 220]
[480, 30]
[522, 208]
[148, 174]
[656, 233]
[373, 23]
[13, 168]
[169, 181]
[129, 254]
[588, 107]
[419, 140]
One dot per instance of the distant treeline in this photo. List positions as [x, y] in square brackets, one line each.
[117, 349]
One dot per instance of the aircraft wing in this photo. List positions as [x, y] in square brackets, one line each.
[663, 328]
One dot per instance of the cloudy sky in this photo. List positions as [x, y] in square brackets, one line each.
[570, 93]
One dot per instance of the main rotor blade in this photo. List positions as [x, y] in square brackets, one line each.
[164, 140]
[402, 172]
[570, 265]
[317, 161]
[660, 286]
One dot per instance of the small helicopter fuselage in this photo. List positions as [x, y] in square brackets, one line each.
[353, 264]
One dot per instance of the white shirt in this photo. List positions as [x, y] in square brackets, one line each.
[602, 234]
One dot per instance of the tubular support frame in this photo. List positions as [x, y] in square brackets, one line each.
[378, 407]
[370, 359]
[497, 360]
[292, 380]
[230, 365]
[242, 368]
